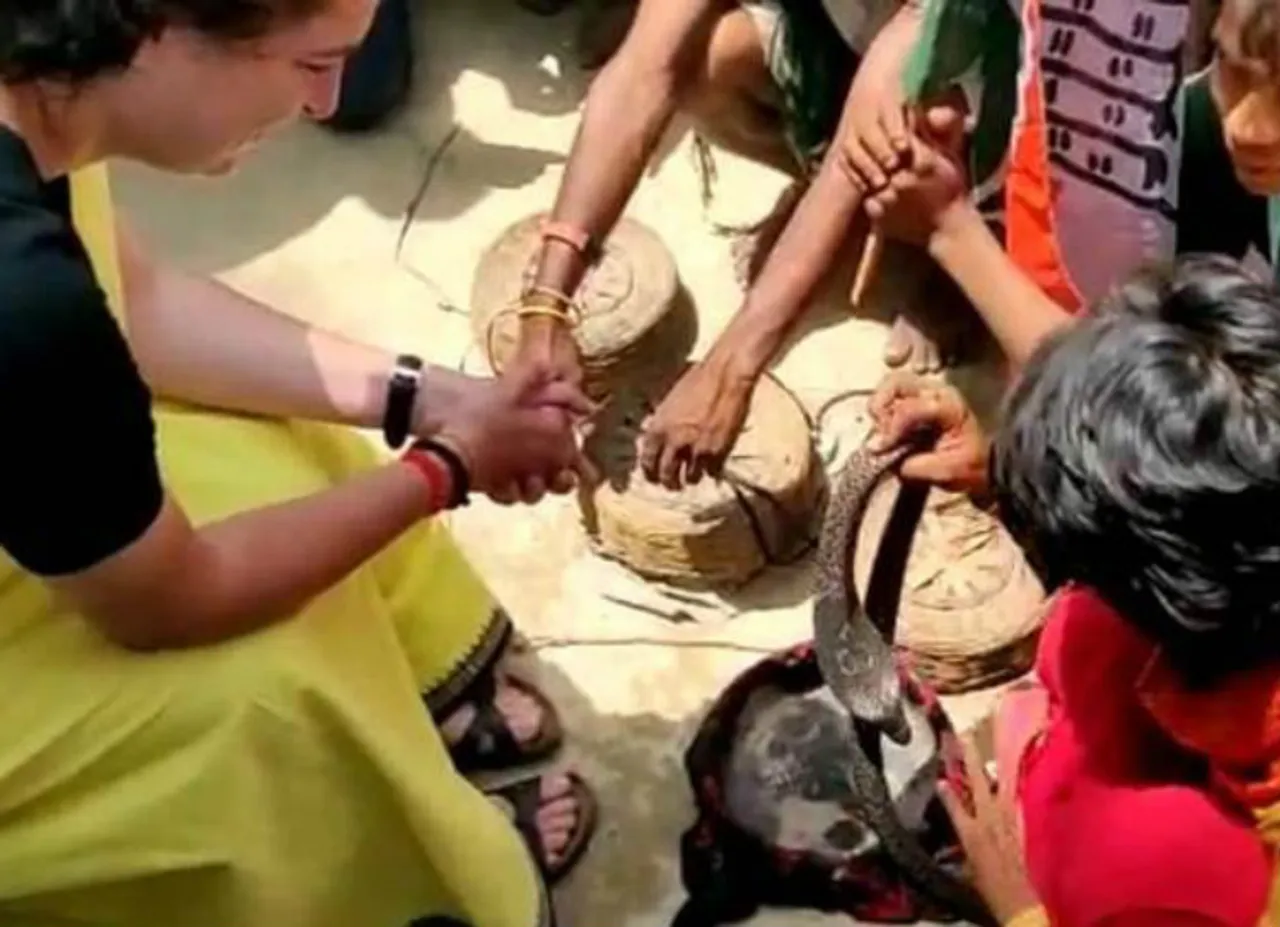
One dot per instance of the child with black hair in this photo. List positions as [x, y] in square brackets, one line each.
[1138, 464]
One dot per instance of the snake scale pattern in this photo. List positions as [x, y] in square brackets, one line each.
[856, 659]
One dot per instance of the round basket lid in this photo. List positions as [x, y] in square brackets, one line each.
[715, 532]
[971, 608]
[625, 292]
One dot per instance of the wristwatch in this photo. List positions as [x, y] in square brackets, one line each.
[402, 393]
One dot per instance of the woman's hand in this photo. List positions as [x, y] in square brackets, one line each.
[546, 349]
[904, 405]
[516, 435]
[986, 821]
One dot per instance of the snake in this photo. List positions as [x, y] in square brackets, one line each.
[856, 660]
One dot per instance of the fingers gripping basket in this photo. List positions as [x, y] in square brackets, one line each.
[971, 608]
[716, 534]
[634, 319]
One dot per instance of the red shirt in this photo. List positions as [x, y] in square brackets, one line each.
[1119, 827]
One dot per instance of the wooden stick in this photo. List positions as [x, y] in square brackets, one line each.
[867, 266]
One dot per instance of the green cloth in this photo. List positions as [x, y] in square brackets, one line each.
[815, 82]
[960, 37]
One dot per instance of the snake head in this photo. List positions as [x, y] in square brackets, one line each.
[860, 669]
[880, 702]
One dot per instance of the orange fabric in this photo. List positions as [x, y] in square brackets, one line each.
[1032, 237]
[1235, 725]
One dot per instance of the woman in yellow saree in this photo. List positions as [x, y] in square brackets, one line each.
[224, 630]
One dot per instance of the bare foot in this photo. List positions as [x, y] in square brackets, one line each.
[522, 714]
[934, 326]
[557, 818]
[910, 348]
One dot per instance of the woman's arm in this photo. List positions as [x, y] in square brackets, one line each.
[177, 586]
[202, 342]
[82, 502]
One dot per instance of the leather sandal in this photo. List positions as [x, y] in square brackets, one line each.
[523, 800]
[488, 744]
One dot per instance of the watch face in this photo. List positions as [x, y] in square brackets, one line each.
[408, 369]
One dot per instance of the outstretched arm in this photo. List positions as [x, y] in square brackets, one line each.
[200, 341]
[694, 428]
[627, 109]
[928, 203]
[1017, 311]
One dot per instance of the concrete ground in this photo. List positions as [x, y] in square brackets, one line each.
[315, 226]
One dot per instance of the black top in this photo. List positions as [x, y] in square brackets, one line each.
[78, 473]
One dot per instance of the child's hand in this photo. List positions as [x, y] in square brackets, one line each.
[990, 834]
[903, 405]
[933, 185]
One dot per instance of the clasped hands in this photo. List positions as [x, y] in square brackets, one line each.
[908, 163]
[516, 434]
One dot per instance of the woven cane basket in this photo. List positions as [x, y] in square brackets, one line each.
[636, 321]
[714, 534]
[971, 608]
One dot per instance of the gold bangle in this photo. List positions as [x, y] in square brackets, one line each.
[547, 312]
[1029, 917]
[550, 292]
[551, 298]
[518, 311]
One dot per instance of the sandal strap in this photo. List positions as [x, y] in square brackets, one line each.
[524, 800]
[488, 740]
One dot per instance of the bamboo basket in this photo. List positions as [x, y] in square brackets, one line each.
[636, 321]
[971, 608]
[715, 534]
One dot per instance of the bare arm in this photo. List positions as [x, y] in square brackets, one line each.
[697, 423]
[824, 217]
[181, 587]
[628, 107]
[200, 341]
[1017, 311]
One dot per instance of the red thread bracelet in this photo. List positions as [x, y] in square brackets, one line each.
[435, 473]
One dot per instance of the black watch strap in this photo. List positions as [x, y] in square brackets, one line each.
[459, 478]
[402, 393]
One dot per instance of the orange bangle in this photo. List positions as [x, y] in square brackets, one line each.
[575, 238]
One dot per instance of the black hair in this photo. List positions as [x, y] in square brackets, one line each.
[74, 41]
[1140, 456]
[1260, 31]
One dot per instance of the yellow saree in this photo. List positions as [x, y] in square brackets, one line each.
[290, 778]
